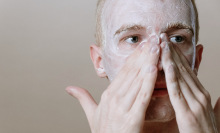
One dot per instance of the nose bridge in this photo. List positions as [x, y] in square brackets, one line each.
[154, 28]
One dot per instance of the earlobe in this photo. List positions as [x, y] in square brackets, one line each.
[199, 51]
[96, 57]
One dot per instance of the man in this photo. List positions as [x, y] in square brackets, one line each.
[147, 49]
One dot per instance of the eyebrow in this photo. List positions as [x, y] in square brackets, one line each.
[170, 26]
[177, 25]
[132, 27]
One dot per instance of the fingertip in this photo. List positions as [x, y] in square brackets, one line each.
[164, 37]
[70, 90]
[154, 39]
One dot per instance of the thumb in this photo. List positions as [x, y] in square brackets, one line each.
[217, 112]
[86, 100]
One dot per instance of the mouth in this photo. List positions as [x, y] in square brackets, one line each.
[160, 90]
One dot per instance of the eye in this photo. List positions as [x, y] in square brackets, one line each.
[132, 39]
[177, 39]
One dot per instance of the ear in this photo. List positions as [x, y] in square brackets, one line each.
[96, 57]
[199, 51]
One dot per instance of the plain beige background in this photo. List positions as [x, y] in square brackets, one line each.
[44, 47]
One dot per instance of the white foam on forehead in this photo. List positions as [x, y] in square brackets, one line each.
[109, 5]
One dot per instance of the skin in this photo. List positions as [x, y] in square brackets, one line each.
[156, 60]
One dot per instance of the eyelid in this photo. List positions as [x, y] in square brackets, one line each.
[134, 35]
[184, 38]
[126, 34]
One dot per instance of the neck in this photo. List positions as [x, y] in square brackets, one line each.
[161, 127]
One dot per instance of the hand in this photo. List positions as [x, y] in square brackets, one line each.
[190, 100]
[217, 113]
[123, 104]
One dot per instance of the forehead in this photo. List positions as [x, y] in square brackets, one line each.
[154, 13]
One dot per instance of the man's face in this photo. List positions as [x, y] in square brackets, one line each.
[127, 23]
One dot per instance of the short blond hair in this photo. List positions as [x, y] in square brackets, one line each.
[99, 29]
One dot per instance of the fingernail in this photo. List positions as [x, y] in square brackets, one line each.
[163, 37]
[155, 49]
[154, 39]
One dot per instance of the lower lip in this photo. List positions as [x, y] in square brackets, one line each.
[160, 92]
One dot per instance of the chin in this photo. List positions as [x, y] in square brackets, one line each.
[160, 110]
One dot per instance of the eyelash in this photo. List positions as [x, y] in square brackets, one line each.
[139, 39]
[182, 37]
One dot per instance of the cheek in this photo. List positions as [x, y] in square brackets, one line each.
[113, 64]
[114, 58]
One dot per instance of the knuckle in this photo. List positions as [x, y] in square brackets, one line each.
[178, 94]
[173, 79]
[171, 68]
[152, 68]
[198, 109]
[204, 101]
[181, 79]
[155, 49]
[181, 67]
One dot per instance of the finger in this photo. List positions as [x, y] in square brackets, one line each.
[144, 95]
[217, 113]
[149, 53]
[187, 89]
[171, 75]
[86, 100]
[128, 73]
[193, 81]
[191, 90]
[117, 92]
[184, 66]
[134, 64]
[148, 74]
